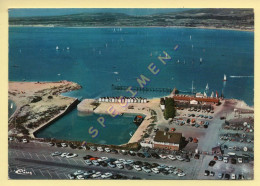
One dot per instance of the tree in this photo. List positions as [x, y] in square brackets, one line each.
[169, 111]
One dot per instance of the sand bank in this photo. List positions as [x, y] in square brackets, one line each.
[38, 103]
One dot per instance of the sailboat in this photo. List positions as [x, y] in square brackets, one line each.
[225, 77]
[57, 48]
[178, 61]
[190, 37]
[212, 94]
[205, 95]
[68, 48]
[207, 87]
[201, 60]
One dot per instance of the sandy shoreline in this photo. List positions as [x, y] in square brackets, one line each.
[37, 104]
[211, 28]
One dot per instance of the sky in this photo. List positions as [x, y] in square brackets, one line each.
[64, 11]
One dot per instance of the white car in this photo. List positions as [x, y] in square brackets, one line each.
[88, 162]
[171, 157]
[179, 158]
[107, 175]
[155, 170]
[71, 155]
[24, 141]
[64, 154]
[121, 160]
[145, 169]
[128, 162]
[181, 174]
[107, 149]
[96, 175]
[99, 160]
[104, 158]
[78, 172]
[239, 160]
[120, 166]
[233, 176]
[116, 162]
[95, 162]
[225, 159]
[163, 156]
[64, 145]
[137, 167]
[80, 177]
[93, 148]
[100, 149]
[112, 165]
[56, 153]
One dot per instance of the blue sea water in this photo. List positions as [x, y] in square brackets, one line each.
[100, 57]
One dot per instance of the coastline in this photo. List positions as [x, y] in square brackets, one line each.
[210, 28]
[38, 104]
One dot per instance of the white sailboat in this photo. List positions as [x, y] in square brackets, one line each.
[207, 87]
[68, 48]
[205, 95]
[201, 59]
[225, 77]
[57, 47]
[190, 37]
[178, 61]
[212, 94]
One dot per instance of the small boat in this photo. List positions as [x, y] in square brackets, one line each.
[207, 87]
[225, 77]
[212, 94]
[57, 47]
[11, 105]
[58, 74]
[116, 72]
[68, 48]
[190, 37]
[138, 119]
[200, 60]
[205, 95]
[178, 61]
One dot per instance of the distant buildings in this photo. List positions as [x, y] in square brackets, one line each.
[122, 99]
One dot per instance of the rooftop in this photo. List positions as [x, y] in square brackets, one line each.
[168, 137]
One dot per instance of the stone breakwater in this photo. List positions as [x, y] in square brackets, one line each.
[38, 103]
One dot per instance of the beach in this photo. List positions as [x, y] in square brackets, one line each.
[38, 103]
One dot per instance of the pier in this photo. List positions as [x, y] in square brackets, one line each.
[147, 89]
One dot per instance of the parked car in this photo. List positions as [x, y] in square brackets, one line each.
[56, 153]
[212, 173]
[110, 164]
[137, 167]
[71, 176]
[25, 141]
[240, 177]
[155, 170]
[220, 175]
[87, 157]
[107, 149]
[220, 158]
[196, 156]
[206, 173]
[162, 156]
[124, 152]
[179, 158]
[93, 148]
[64, 154]
[95, 162]
[227, 176]
[71, 155]
[155, 155]
[96, 175]
[100, 149]
[120, 166]
[233, 176]
[106, 175]
[88, 162]
[128, 167]
[64, 145]
[78, 172]
[225, 159]
[233, 161]
[141, 155]
[114, 151]
[146, 169]
[212, 163]
[181, 174]
[51, 144]
[240, 160]
[171, 157]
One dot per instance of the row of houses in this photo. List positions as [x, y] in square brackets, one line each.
[123, 99]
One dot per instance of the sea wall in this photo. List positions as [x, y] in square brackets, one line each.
[67, 110]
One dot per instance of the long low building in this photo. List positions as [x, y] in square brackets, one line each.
[198, 99]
